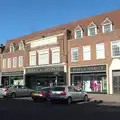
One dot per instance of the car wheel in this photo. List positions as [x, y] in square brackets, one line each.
[86, 98]
[31, 94]
[48, 98]
[69, 100]
[13, 95]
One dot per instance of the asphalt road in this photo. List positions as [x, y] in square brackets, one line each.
[26, 109]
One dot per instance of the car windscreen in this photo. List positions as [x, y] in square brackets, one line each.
[58, 89]
[44, 89]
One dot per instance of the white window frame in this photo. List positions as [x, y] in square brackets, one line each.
[12, 48]
[21, 45]
[4, 63]
[109, 23]
[76, 34]
[14, 60]
[43, 52]
[9, 63]
[86, 52]
[32, 54]
[94, 26]
[101, 50]
[53, 50]
[72, 57]
[112, 48]
[19, 61]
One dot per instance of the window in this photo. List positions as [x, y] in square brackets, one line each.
[43, 57]
[115, 48]
[78, 34]
[21, 46]
[55, 55]
[15, 62]
[4, 63]
[74, 54]
[20, 61]
[32, 59]
[100, 51]
[92, 31]
[107, 26]
[86, 52]
[9, 63]
[12, 48]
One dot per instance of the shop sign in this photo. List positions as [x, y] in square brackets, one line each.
[44, 69]
[88, 68]
[16, 73]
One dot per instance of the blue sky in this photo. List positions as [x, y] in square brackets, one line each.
[21, 17]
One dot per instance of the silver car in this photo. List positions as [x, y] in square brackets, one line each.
[15, 91]
[67, 93]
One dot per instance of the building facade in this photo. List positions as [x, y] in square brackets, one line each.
[94, 53]
[85, 53]
[46, 62]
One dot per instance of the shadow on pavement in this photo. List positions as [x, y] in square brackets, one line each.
[23, 109]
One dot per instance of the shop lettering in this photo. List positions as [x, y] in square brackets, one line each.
[51, 69]
[90, 68]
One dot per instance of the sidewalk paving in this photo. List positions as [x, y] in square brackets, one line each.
[105, 98]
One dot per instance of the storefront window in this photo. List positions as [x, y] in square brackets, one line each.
[95, 82]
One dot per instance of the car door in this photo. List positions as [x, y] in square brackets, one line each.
[71, 92]
[24, 91]
[80, 93]
[77, 93]
[17, 90]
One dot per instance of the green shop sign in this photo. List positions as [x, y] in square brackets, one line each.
[84, 69]
[44, 69]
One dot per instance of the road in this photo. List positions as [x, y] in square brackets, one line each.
[26, 109]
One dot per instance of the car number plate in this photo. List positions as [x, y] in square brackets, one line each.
[35, 94]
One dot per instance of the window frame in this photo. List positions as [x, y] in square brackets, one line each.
[103, 27]
[100, 50]
[14, 66]
[87, 52]
[4, 63]
[74, 49]
[21, 45]
[9, 63]
[112, 48]
[19, 61]
[76, 34]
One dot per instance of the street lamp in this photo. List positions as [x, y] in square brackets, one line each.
[56, 77]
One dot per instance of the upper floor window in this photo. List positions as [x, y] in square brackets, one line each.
[115, 48]
[86, 52]
[9, 63]
[4, 63]
[21, 46]
[12, 48]
[14, 62]
[100, 51]
[92, 29]
[107, 26]
[78, 32]
[55, 55]
[43, 57]
[20, 60]
[74, 54]
[32, 58]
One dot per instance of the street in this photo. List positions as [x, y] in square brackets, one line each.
[26, 109]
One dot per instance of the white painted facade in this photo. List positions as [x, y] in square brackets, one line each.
[115, 65]
[44, 41]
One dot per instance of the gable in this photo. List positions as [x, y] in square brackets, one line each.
[107, 21]
[92, 24]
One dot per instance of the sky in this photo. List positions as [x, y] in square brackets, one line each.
[22, 17]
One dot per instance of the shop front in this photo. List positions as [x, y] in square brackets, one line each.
[91, 79]
[44, 76]
[12, 78]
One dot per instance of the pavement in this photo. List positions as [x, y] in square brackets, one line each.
[105, 98]
[26, 109]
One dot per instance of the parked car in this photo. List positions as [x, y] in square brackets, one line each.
[68, 94]
[15, 91]
[42, 93]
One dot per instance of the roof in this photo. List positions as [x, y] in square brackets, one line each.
[98, 19]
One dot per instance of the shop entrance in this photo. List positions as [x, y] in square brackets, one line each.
[116, 82]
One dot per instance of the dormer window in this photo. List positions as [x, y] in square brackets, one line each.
[92, 29]
[78, 32]
[12, 48]
[107, 26]
[21, 46]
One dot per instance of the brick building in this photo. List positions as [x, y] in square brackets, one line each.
[94, 53]
[84, 52]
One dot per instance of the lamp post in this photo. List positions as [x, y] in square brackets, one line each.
[56, 78]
